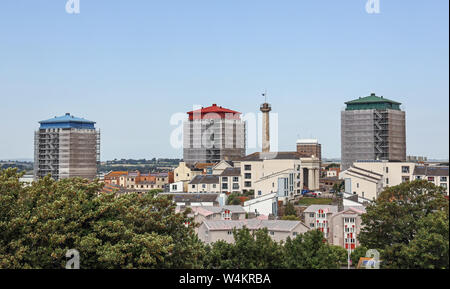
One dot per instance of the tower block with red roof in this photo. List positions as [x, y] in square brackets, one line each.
[212, 134]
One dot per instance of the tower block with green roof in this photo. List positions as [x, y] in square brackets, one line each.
[372, 128]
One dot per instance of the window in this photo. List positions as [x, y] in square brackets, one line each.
[405, 169]
[357, 185]
[418, 177]
[311, 225]
[387, 181]
[203, 186]
[214, 186]
[235, 179]
[224, 179]
[272, 233]
[311, 215]
[294, 233]
[193, 186]
[224, 186]
[443, 179]
[431, 179]
[259, 193]
[235, 186]
[444, 185]
[387, 169]
[248, 167]
[248, 175]
[248, 184]
[230, 232]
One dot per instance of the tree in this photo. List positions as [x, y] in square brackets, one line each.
[290, 210]
[290, 218]
[38, 224]
[397, 223]
[310, 251]
[430, 247]
[254, 250]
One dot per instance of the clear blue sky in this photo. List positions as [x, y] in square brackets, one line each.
[130, 64]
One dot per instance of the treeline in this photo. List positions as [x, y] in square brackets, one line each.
[41, 222]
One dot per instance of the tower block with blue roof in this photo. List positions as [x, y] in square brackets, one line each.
[65, 147]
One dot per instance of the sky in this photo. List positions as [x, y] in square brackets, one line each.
[130, 65]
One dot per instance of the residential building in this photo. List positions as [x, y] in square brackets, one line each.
[209, 213]
[309, 148]
[340, 226]
[230, 180]
[177, 187]
[345, 226]
[215, 230]
[66, 147]
[366, 184]
[259, 165]
[318, 217]
[438, 175]
[114, 177]
[264, 205]
[193, 200]
[204, 184]
[213, 134]
[394, 173]
[372, 128]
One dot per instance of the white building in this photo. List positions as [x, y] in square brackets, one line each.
[265, 205]
[257, 166]
[204, 184]
[213, 231]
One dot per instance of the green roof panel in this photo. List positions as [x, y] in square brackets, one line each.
[372, 102]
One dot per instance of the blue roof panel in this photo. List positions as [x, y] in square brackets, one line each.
[67, 121]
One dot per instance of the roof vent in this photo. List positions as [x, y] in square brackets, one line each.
[67, 113]
[372, 94]
[214, 104]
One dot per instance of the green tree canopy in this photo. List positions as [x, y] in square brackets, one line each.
[310, 251]
[402, 220]
[38, 224]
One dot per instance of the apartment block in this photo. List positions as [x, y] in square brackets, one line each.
[215, 230]
[213, 134]
[66, 147]
[372, 128]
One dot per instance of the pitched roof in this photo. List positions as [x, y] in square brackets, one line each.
[252, 224]
[190, 197]
[213, 109]
[205, 179]
[258, 156]
[231, 172]
[431, 171]
[315, 208]
[209, 210]
[371, 99]
[66, 118]
[116, 174]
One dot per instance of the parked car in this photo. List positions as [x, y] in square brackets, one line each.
[310, 194]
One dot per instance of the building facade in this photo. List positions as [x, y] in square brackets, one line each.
[215, 230]
[309, 148]
[66, 147]
[372, 128]
[213, 134]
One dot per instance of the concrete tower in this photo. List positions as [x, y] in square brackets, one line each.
[66, 147]
[372, 128]
[265, 109]
[212, 134]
